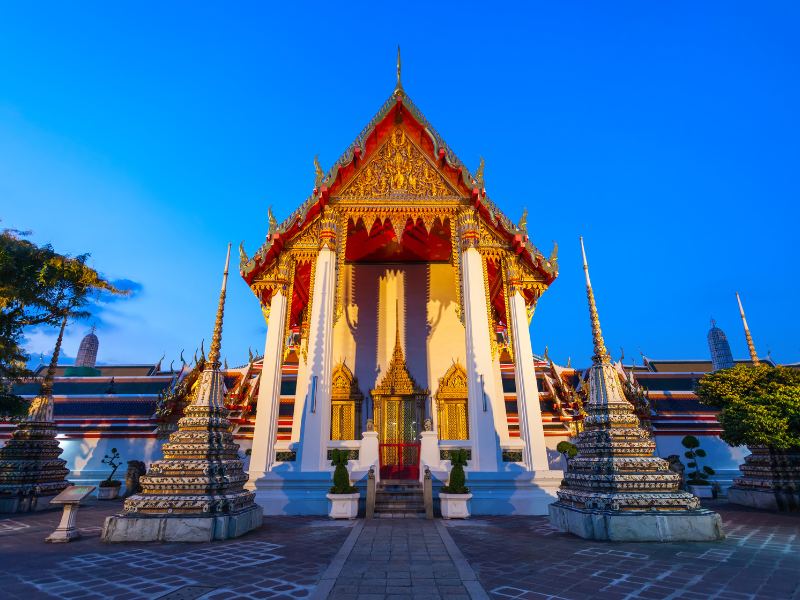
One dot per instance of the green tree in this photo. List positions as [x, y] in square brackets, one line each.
[38, 287]
[759, 405]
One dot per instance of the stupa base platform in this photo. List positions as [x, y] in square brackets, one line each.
[774, 500]
[181, 528]
[24, 504]
[685, 526]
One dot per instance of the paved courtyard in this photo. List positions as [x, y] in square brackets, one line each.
[494, 557]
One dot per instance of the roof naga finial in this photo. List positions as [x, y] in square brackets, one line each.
[319, 175]
[243, 260]
[398, 90]
[523, 221]
[273, 222]
[479, 174]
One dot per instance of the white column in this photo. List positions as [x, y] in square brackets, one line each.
[530, 413]
[269, 391]
[482, 387]
[316, 425]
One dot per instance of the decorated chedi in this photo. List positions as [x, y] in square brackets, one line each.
[615, 489]
[195, 494]
[31, 472]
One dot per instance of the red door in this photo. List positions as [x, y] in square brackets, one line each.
[400, 460]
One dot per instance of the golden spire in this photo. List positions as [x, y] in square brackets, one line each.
[216, 339]
[750, 346]
[398, 91]
[600, 353]
[397, 354]
[41, 408]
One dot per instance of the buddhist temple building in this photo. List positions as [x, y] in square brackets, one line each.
[399, 296]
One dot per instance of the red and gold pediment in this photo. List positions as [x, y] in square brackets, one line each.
[398, 169]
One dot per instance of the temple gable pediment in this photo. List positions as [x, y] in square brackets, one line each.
[399, 169]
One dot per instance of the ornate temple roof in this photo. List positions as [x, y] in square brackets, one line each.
[460, 183]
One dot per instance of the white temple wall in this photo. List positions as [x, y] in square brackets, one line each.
[84, 456]
[724, 459]
[446, 341]
[431, 334]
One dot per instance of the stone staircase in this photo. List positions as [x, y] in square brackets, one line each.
[397, 499]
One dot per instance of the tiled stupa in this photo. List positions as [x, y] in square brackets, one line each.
[615, 489]
[31, 472]
[195, 494]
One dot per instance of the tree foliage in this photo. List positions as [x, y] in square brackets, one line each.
[759, 405]
[38, 287]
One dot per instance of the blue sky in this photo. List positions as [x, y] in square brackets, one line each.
[665, 133]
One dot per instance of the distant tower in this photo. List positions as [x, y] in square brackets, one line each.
[87, 352]
[721, 357]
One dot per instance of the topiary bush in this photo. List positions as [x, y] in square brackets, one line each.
[693, 452]
[458, 460]
[341, 478]
[568, 449]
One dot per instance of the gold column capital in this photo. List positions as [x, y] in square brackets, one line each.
[467, 228]
[328, 231]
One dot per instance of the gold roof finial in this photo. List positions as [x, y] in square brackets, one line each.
[216, 339]
[319, 174]
[273, 222]
[750, 346]
[600, 353]
[398, 91]
[41, 408]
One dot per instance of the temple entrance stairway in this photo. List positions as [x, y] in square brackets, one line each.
[399, 498]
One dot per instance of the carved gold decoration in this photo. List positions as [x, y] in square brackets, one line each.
[398, 401]
[489, 309]
[455, 249]
[451, 404]
[340, 279]
[346, 400]
[399, 167]
[468, 230]
[328, 230]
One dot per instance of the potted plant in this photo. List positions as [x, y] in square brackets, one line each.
[454, 496]
[697, 480]
[109, 488]
[343, 496]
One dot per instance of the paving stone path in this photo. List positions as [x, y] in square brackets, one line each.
[311, 557]
[398, 559]
[526, 558]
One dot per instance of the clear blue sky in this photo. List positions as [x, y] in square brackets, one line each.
[666, 133]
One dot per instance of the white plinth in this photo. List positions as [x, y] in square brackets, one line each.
[684, 526]
[454, 506]
[343, 506]
[180, 528]
[66, 530]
